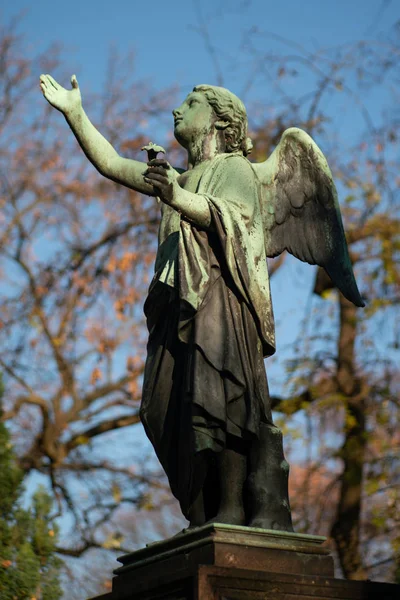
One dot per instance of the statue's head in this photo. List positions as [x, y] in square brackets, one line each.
[231, 112]
[209, 108]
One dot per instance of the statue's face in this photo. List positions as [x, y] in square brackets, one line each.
[194, 119]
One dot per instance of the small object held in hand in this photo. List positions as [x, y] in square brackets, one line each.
[153, 150]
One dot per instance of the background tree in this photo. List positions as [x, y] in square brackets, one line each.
[75, 255]
[29, 567]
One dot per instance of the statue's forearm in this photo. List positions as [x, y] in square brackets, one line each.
[95, 146]
[104, 157]
[193, 207]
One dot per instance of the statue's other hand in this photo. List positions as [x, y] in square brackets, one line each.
[163, 178]
[62, 99]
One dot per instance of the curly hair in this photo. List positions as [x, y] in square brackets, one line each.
[229, 108]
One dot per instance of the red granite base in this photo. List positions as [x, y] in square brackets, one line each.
[224, 562]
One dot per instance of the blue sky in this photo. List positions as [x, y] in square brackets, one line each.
[163, 35]
[169, 50]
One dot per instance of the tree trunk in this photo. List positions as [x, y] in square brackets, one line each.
[346, 528]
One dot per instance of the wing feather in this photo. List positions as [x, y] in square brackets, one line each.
[301, 210]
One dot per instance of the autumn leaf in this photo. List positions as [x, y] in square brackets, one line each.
[6, 564]
[95, 376]
[116, 492]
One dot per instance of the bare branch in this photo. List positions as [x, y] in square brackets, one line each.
[103, 427]
[33, 399]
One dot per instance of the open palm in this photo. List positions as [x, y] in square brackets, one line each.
[62, 99]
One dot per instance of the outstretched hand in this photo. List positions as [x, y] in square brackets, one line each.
[163, 178]
[62, 99]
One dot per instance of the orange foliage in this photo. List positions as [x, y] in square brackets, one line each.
[74, 254]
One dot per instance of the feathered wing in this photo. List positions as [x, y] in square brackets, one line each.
[301, 211]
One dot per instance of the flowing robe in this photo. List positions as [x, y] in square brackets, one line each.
[210, 324]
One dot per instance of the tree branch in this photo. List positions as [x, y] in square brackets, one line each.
[101, 428]
[289, 406]
[33, 399]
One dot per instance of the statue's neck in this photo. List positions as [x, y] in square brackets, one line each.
[205, 149]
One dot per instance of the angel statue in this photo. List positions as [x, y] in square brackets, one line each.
[205, 403]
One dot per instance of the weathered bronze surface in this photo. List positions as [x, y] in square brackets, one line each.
[206, 405]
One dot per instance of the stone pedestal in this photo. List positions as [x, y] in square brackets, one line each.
[225, 562]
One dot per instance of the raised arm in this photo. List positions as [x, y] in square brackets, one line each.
[98, 150]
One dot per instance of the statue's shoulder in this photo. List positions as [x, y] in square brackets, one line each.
[233, 163]
[232, 157]
[230, 173]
